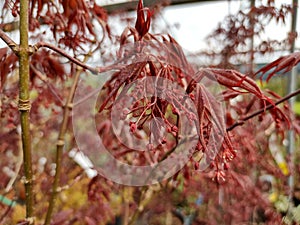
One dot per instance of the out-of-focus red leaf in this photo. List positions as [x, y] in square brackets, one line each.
[128, 31]
[97, 189]
[7, 64]
[296, 127]
[284, 64]
[49, 64]
[69, 7]
[100, 12]
[23, 222]
[89, 221]
[62, 217]
[40, 4]
[77, 13]
[15, 10]
[280, 117]
[3, 54]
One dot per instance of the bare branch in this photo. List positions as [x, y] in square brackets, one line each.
[260, 111]
[67, 108]
[18, 165]
[10, 43]
[44, 78]
[94, 70]
[63, 53]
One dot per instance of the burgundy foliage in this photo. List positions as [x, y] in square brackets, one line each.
[229, 191]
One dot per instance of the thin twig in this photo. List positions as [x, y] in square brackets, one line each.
[18, 166]
[147, 194]
[6, 212]
[260, 111]
[94, 70]
[65, 54]
[10, 43]
[45, 80]
[60, 145]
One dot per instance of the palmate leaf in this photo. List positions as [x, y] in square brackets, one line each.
[282, 64]
[213, 138]
[231, 79]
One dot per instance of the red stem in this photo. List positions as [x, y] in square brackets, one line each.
[260, 111]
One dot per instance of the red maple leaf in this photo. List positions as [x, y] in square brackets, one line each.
[142, 24]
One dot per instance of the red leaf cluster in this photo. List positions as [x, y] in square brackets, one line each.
[160, 57]
[8, 62]
[157, 59]
[97, 190]
[48, 64]
[73, 27]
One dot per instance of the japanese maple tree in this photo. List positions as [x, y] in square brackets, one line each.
[217, 122]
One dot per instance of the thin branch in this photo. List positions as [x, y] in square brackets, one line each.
[94, 70]
[147, 194]
[10, 43]
[44, 79]
[260, 111]
[60, 145]
[89, 95]
[63, 53]
[6, 212]
[19, 162]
